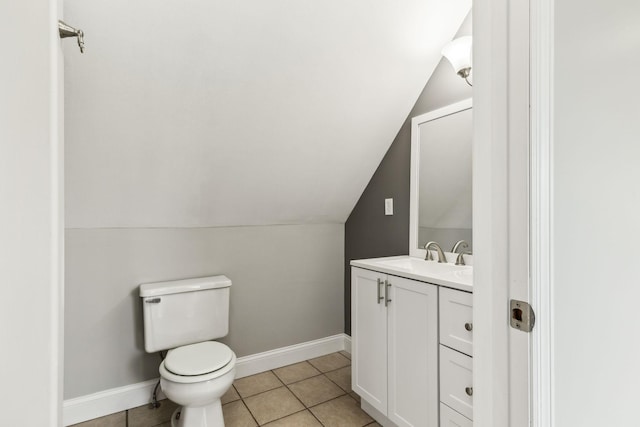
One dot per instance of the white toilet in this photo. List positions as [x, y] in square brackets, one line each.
[183, 316]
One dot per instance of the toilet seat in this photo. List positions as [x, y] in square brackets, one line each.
[198, 359]
[197, 362]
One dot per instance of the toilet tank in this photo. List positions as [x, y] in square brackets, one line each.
[183, 312]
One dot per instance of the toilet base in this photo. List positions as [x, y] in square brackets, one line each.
[199, 416]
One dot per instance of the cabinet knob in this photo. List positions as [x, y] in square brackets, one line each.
[469, 391]
[468, 326]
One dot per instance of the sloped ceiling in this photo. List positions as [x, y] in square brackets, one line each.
[211, 113]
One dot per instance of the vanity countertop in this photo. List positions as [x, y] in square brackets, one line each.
[444, 274]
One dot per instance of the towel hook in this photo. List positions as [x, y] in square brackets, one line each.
[67, 30]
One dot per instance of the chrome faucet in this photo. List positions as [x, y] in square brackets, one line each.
[460, 244]
[460, 257]
[429, 257]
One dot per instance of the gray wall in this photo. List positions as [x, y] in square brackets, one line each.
[287, 289]
[368, 232]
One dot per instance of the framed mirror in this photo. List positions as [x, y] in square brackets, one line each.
[440, 198]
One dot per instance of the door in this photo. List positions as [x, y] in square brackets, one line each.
[501, 234]
[413, 353]
[31, 233]
[369, 332]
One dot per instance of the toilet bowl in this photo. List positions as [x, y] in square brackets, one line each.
[196, 376]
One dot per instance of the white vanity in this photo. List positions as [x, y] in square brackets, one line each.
[412, 337]
[411, 319]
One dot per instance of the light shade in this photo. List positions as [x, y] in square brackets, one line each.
[458, 52]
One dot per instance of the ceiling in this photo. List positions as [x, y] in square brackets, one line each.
[220, 113]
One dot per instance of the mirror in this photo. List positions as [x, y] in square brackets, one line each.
[441, 178]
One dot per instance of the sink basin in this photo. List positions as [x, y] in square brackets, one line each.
[445, 274]
[417, 264]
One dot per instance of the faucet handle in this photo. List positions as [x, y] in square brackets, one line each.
[460, 244]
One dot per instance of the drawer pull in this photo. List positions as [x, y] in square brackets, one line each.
[387, 300]
[468, 326]
[469, 391]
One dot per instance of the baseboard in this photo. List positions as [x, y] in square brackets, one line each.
[118, 399]
[260, 362]
[347, 343]
[107, 402]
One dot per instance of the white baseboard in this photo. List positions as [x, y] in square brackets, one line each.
[260, 362]
[118, 399]
[347, 343]
[107, 402]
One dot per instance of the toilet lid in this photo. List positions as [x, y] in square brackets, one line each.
[198, 359]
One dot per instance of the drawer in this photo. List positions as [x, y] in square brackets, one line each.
[456, 320]
[450, 418]
[456, 381]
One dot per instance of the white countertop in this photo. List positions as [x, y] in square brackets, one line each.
[444, 274]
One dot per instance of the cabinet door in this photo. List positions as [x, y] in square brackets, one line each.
[450, 418]
[456, 381]
[369, 338]
[413, 353]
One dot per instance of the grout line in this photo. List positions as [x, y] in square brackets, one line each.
[250, 413]
[304, 379]
[337, 385]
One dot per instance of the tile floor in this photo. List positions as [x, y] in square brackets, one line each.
[312, 393]
[315, 392]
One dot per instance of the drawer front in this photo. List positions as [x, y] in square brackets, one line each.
[456, 320]
[450, 418]
[456, 386]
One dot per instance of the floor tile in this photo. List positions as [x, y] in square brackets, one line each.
[230, 396]
[341, 412]
[330, 362]
[355, 396]
[315, 390]
[145, 416]
[374, 424]
[346, 354]
[299, 419]
[342, 377]
[248, 386]
[272, 405]
[114, 420]
[298, 372]
[236, 414]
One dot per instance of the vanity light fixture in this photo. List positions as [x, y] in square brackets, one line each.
[458, 52]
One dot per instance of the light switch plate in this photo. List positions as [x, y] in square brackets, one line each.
[388, 206]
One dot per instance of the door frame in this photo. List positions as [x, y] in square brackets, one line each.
[541, 206]
[32, 221]
[512, 139]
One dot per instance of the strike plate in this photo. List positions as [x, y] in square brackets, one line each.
[521, 316]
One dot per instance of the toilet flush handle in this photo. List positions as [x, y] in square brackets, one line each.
[153, 300]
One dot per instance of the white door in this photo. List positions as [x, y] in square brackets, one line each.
[369, 332]
[502, 368]
[31, 233]
[413, 353]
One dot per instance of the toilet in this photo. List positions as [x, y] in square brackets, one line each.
[183, 317]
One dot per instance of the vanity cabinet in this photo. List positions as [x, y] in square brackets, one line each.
[395, 346]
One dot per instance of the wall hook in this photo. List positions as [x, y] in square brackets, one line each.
[67, 30]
